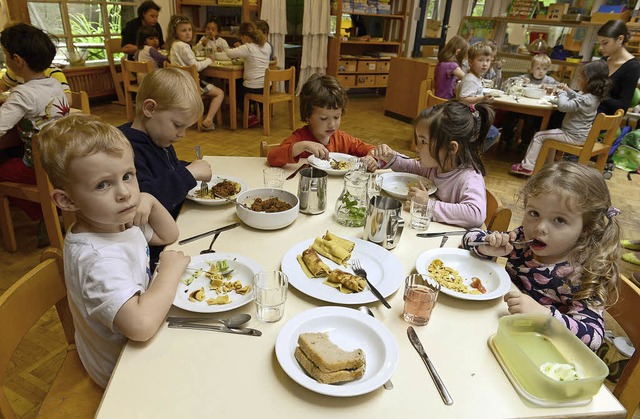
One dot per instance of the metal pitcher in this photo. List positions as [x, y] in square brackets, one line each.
[384, 222]
[312, 191]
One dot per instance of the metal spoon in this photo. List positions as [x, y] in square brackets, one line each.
[210, 249]
[388, 385]
[234, 321]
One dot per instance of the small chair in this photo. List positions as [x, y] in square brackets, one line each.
[73, 393]
[591, 147]
[112, 47]
[80, 103]
[498, 216]
[625, 312]
[132, 74]
[269, 97]
[265, 148]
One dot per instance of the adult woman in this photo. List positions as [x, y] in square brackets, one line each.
[624, 69]
[148, 13]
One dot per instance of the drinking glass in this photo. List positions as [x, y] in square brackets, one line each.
[420, 296]
[270, 289]
[273, 177]
[421, 214]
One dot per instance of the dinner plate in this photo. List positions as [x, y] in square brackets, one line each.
[326, 166]
[244, 270]
[214, 181]
[384, 270]
[349, 329]
[493, 92]
[397, 184]
[493, 276]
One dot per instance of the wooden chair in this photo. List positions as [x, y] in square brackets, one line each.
[269, 97]
[498, 216]
[265, 148]
[132, 74]
[80, 103]
[625, 312]
[73, 393]
[112, 47]
[591, 148]
[40, 192]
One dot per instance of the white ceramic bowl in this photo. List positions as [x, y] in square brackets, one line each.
[534, 92]
[267, 220]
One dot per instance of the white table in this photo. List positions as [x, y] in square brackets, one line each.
[191, 373]
[526, 106]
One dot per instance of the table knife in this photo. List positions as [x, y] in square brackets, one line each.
[302, 166]
[442, 233]
[215, 328]
[208, 233]
[415, 341]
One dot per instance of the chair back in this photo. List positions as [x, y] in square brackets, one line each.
[132, 74]
[603, 122]
[191, 69]
[498, 216]
[265, 148]
[80, 102]
[112, 47]
[433, 100]
[272, 77]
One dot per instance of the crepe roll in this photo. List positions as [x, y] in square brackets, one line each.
[315, 265]
[331, 250]
[352, 282]
[344, 243]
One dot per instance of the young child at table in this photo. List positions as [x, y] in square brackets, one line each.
[322, 104]
[263, 26]
[30, 105]
[449, 68]
[180, 38]
[537, 75]
[256, 52]
[495, 70]
[450, 137]
[570, 269]
[471, 90]
[580, 107]
[106, 256]
[211, 42]
[10, 80]
[147, 43]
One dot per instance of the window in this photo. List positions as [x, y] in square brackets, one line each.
[477, 8]
[80, 24]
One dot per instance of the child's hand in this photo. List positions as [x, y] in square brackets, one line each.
[563, 86]
[204, 41]
[370, 162]
[418, 193]
[498, 244]
[526, 80]
[147, 201]
[173, 263]
[383, 152]
[201, 170]
[237, 44]
[518, 302]
[317, 149]
[487, 98]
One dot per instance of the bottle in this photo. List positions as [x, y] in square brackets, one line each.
[351, 206]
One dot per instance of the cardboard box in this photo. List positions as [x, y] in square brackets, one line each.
[381, 80]
[347, 66]
[383, 66]
[366, 66]
[604, 17]
[365, 81]
[346, 80]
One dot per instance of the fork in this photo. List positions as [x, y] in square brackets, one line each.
[358, 270]
[204, 187]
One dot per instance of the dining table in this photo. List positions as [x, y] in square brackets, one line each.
[525, 105]
[196, 373]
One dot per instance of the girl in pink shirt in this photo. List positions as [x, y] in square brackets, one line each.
[449, 68]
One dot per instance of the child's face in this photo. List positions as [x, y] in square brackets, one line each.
[184, 32]
[323, 122]
[211, 31]
[424, 144]
[554, 225]
[538, 71]
[480, 65]
[152, 41]
[167, 126]
[105, 189]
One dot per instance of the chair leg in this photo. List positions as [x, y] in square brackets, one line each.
[542, 157]
[245, 113]
[266, 119]
[129, 106]
[601, 161]
[6, 224]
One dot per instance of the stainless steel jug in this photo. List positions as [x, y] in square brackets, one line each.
[312, 191]
[384, 222]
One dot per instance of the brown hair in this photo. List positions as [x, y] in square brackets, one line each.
[173, 26]
[456, 48]
[479, 49]
[250, 30]
[321, 91]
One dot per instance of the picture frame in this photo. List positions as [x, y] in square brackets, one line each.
[556, 11]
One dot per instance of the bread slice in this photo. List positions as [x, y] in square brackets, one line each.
[327, 377]
[328, 357]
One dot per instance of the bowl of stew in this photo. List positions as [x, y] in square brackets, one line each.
[267, 208]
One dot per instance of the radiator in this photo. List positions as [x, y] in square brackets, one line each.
[94, 79]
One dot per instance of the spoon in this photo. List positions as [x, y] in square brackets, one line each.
[210, 249]
[232, 322]
[231, 200]
[388, 385]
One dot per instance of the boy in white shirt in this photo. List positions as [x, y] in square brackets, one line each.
[106, 252]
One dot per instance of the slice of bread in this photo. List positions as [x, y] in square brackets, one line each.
[327, 377]
[328, 357]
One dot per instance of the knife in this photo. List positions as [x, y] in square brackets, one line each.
[208, 233]
[442, 233]
[302, 166]
[197, 326]
[415, 341]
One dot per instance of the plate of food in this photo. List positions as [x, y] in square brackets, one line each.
[463, 275]
[337, 164]
[397, 184]
[319, 267]
[228, 186]
[216, 282]
[337, 351]
[493, 92]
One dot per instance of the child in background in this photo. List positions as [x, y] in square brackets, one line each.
[471, 88]
[263, 26]
[30, 106]
[449, 68]
[495, 70]
[449, 138]
[322, 104]
[537, 75]
[581, 108]
[256, 52]
[179, 43]
[211, 42]
[10, 80]
[147, 43]
[106, 257]
[570, 270]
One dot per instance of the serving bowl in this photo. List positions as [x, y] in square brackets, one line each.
[267, 220]
[534, 92]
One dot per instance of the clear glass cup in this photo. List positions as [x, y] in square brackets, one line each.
[270, 288]
[356, 163]
[374, 186]
[421, 214]
[273, 177]
[420, 296]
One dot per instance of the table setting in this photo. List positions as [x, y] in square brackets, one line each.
[269, 368]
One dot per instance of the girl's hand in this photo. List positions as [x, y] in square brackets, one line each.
[498, 244]
[147, 202]
[418, 193]
[384, 152]
[200, 170]
[562, 86]
[370, 162]
[517, 303]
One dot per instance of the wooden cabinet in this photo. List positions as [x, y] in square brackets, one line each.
[403, 88]
[228, 13]
[363, 61]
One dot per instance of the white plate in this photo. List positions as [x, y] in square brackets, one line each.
[245, 269]
[326, 166]
[396, 184]
[214, 181]
[493, 276]
[384, 271]
[349, 329]
[493, 92]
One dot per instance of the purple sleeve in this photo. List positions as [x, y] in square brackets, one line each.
[584, 321]
[157, 57]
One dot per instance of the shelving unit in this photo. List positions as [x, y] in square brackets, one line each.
[364, 63]
[229, 13]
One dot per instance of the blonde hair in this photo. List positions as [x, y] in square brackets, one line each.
[456, 48]
[541, 59]
[173, 27]
[479, 49]
[597, 251]
[76, 136]
[171, 88]
[250, 30]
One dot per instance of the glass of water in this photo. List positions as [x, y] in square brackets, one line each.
[270, 288]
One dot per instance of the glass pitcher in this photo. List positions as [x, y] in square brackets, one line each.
[351, 207]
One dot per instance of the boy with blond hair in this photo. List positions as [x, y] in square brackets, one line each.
[106, 255]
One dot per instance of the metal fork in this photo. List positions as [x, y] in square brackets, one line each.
[204, 187]
[358, 270]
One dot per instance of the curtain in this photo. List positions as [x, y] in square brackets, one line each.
[315, 33]
[275, 13]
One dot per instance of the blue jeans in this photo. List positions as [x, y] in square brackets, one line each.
[491, 139]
